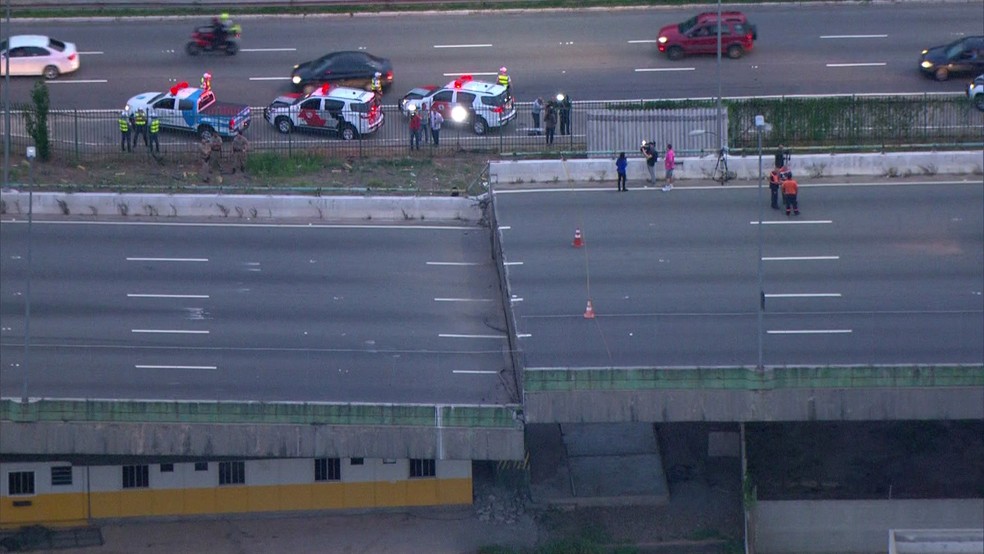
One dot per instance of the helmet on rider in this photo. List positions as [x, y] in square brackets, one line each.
[378, 74]
[224, 17]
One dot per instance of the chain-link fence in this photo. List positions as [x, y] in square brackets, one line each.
[597, 128]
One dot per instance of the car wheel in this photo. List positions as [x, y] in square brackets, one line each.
[941, 74]
[50, 72]
[284, 125]
[205, 132]
[349, 132]
[674, 52]
[979, 102]
[735, 51]
[193, 49]
[479, 125]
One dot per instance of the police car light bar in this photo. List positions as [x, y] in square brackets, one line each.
[325, 88]
[179, 86]
[462, 80]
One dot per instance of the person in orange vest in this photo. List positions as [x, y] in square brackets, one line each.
[789, 191]
[775, 180]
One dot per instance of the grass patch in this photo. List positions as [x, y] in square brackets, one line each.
[270, 164]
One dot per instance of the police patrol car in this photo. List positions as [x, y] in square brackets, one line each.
[349, 112]
[187, 108]
[487, 105]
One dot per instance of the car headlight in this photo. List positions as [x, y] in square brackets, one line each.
[926, 64]
[296, 79]
[662, 40]
[924, 52]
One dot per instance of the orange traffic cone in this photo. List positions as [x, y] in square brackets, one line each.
[578, 241]
[589, 311]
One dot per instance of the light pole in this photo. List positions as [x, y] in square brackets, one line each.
[760, 126]
[6, 108]
[31, 154]
[458, 114]
[720, 123]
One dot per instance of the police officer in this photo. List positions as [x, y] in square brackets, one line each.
[564, 100]
[140, 127]
[155, 129]
[376, 86]
[504, 80]
[204, 155]
[789, 191]
[215, 156]
[206, 81]
[124, 122]
[239, 148]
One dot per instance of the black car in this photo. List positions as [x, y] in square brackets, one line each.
[350, 69]
[964, 56]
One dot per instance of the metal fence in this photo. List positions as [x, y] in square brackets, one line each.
[598, 127]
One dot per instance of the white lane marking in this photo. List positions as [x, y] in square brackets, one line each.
[76, 81]
[645, 41]
[474, 372]
[797, 258]
[472, 73]
[516, 299]
[93, 53]
[689, 188]
[645, 69]
[269, 78]
[792, 222]
[462, 300]
[147, 295]
[852, 36]
[172, 331]
[512, 263]
[167, 259]
[808, 331]
[175, 367]
[523, 335]
[462, 46]
[268, 50]
[453, 336]
[505, 228]
[454, 263]
[862, 64]
[804, 295]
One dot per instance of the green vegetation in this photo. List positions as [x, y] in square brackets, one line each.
[36, 119]
[271, 164]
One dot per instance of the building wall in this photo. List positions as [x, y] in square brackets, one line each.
[97, 492]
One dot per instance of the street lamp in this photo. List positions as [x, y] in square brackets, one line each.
[458, 114]
[31, 154]
[760, 127]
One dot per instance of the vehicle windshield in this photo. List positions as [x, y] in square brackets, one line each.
[360, 107]
[156, 98]
[56, 44]
[955, 50]
[497, 100]
[687, 25]
[3, 46]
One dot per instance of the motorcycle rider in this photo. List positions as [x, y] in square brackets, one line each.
[220, 30]
[376, 85]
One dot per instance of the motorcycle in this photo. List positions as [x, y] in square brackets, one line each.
[204, 39]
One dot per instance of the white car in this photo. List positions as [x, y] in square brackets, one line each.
[486, 105]
[38, 55]
[975, 91]
[350, 113]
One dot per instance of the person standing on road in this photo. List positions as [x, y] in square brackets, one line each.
[155, 130]
[124, 122]
[789, 191]
[565, 113]
[140, 128]
[780, 156]
[414, 127]
[240, 146]
[435, 125]
[550, 122]
[621, 165]
[775, 181]
[669, 164]
[535, 112]
[652, 156]
[204, 156]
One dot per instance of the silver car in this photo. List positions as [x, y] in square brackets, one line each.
[38, 55]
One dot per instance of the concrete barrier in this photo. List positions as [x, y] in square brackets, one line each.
[244, 207]
[900, 164]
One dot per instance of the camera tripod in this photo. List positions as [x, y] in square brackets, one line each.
[721, 173]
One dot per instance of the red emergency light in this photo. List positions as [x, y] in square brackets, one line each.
[462, 80]
[325, 88]
[179, 86]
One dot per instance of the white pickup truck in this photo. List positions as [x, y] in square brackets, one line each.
[187, 108]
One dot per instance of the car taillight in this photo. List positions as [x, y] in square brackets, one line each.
[72, 56]
[389, 75]
[498, 109]
[232, 123]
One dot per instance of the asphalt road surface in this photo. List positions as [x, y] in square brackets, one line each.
[889, 274]
[384, 313]
[843, 48]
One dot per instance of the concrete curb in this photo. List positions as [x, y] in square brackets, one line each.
[244, 207]
[901, 164]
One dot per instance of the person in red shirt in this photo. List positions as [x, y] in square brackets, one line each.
[789, 191]
[414, 128]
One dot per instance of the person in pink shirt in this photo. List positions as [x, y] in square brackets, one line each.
[670, 164]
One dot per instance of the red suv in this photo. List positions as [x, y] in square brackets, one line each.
[698, 35]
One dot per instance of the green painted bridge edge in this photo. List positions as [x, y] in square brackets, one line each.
[263, 413]
[749, 378]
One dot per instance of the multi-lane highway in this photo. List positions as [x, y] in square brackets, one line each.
[883, 274]
[375, 313]
[592, 54]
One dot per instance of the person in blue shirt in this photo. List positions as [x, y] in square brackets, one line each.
[620, 166]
